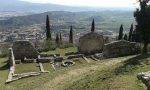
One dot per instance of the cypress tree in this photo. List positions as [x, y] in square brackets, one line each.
[71, 35]
[60, 37]
[120, 33]
[142, 16]
[48, 32]
[125, 37]
[130, 33]
[93, 26]
[57, 39]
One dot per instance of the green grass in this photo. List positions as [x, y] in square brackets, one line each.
[62, 51]
[119, 77]
[29, 67]
[111, 74]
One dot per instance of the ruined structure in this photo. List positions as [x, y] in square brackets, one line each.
[91, 43]
[120, 48]
[24, 49]
[145, 78]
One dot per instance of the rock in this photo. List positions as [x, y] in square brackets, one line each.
[75, 56]
[145, 78]
[91, 43]
[23, 49]
[28, 60]
[11, 57]
[43, 59]
[17, 61]
[99, 56]
[120, 48]
[68, 63]
[58, 59]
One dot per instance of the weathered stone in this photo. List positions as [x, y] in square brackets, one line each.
[120, 48]
[43, 59]
[99, 56]
[17, 61]
[23, 49]
[68, 63]
[145, 78]
[75, 56]
[58, 59]
[28, 60]
[91, 43]
[11, 57]
[12, 66]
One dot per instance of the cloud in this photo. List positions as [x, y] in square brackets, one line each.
[95, 3]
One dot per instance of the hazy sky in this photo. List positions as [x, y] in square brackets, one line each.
[95, 3]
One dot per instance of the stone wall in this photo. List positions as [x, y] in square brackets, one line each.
[120, 48]
[91, 43]
[11, 57]
[24, 49]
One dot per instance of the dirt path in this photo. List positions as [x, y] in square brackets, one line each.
[75, 73]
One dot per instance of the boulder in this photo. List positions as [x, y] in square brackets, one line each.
[145, 78]
[120, 48]
[23, 49]
[91, 43]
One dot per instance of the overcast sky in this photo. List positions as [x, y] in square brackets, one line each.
[93, 3]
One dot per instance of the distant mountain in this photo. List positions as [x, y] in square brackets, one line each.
[105, 20]
[16, 5]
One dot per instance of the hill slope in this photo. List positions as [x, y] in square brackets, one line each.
[111, 74]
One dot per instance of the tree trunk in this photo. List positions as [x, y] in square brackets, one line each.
[145, 48]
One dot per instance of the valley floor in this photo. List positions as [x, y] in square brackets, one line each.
[110, 74]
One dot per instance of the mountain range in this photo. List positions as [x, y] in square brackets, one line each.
[104, 20]
[22, 6]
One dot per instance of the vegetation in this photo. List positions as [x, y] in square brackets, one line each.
[120, 32]
[60, 37]
[125, 37]
[113, 74]
[48, 31]
[130, 33]
[142, 16]
[93, 26]
[71, 35]
[57, 39]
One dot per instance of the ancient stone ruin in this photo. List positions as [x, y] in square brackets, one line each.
[91, 43]
[145, 78]
[120, 48]
[24, 49]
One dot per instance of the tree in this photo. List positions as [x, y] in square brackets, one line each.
[71, 35]
[125, 37]
[120, 33]
[130, 33]
[57, 39]
[48, 32]
[60, 37]
[93, 26]
[142, 16]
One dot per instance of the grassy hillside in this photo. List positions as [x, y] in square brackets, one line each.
[111, 74]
